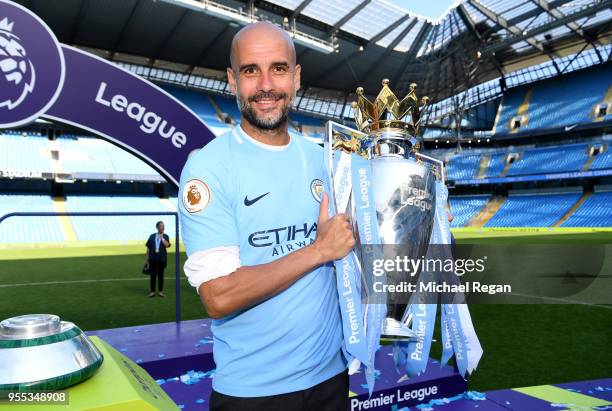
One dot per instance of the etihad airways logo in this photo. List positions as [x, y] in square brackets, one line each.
[284, 240]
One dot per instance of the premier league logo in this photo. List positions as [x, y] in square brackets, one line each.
[196, 196]
[31, 66]
[18, 75]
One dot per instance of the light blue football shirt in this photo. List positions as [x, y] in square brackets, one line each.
[236, 191]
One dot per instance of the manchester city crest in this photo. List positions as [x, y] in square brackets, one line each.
[316, 188]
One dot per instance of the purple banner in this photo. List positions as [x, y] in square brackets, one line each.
[129, 111]
[40, 77]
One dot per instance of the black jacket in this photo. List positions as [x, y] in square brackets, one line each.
[162, 255]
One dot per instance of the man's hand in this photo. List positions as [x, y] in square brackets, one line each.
[249, 285]
[334, 235]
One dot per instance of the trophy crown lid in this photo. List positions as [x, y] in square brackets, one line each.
[388, 111]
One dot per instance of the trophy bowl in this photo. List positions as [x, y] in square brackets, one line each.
[405, 200]
[40, 352]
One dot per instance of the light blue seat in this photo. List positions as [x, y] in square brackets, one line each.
[117, 228]
[557, 102]
[464, 208]
[463, 166]
[28, 229]
[496, 165]
[25, 154]
[533, 210]
[596, 211]
[550, 160]
[603, 160]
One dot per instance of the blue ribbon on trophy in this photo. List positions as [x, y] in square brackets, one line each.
[348, 273]
[350, 175]
[367, 226]
[458, 334]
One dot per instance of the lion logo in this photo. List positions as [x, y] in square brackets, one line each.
[196, 196]
[17, 75]
[193, 196]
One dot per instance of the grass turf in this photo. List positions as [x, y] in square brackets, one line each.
[524, 344]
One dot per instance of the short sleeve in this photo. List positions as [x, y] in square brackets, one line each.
[206, 208]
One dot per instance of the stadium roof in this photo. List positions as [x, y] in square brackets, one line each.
[347, 43]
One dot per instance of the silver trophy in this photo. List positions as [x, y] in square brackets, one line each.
[403, 185]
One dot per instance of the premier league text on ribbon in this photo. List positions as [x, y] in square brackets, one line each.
[347, 272]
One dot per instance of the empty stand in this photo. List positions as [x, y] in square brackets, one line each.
[496, 165]
[595, 211]
[28, 229]
[464, 208]
[602, 160]
[463, 166]
[550, 159]
[558, 102]
[20, 153]
[533, 210]
[117, 228]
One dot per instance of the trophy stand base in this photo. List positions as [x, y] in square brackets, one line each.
[393, 330]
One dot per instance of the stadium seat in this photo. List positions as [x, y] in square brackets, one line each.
[28, 229]
[603, 160]
[496, 165]
[556, 102]
[596, 211]
[550, 160]
[464, 208]
[117, 228]
[533, 210]
[463, 166]
[21, 153]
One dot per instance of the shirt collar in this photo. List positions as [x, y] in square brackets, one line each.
[241, 135]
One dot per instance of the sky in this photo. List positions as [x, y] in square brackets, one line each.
[427, 8]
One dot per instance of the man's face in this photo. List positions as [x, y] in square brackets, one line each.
[160, 228]
[264, 78]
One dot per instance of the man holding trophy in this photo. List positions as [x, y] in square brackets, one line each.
[260, 243]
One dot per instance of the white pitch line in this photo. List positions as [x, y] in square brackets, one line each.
[564, 300]
[73, 282]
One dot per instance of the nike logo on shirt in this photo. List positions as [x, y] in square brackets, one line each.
[248, 202]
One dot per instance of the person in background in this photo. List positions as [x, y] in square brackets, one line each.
[156, 258]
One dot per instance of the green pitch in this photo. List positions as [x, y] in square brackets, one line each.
[101, 287]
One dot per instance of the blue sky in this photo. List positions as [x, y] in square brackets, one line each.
[427, 8]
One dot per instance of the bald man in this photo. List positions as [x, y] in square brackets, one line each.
[260, 243]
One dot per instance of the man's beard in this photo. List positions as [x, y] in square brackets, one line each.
[248, 112]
